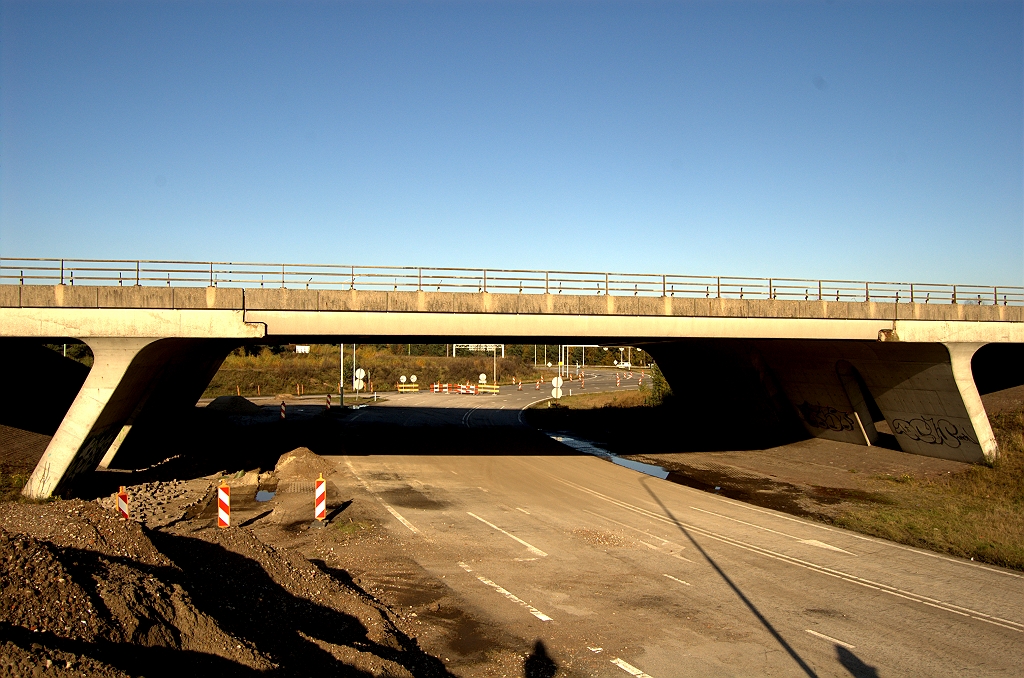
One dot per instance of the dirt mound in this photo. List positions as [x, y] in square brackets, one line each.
[301, 463]
[233, 405]
[82, 591]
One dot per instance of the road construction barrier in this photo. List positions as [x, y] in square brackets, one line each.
[122, 502]
[320, 498]
[328, 401]
[520, 385]
[223, 505]
[487, 388]
[617, 381]
[408, 388]
[538, 384]
[282, 409]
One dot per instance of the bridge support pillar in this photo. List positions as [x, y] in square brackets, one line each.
[122, 371]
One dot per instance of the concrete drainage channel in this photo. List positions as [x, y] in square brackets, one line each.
[591, 448]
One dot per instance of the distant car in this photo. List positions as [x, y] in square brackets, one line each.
[624, 366]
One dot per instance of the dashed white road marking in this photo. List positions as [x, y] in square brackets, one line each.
[831, 639]
[621, 663]
[629, 668]
[815, 567]
[386, 505]
[678, 580]
[524, 511]
[511, 596]
[530, 547]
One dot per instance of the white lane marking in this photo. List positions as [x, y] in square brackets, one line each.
[595, 650]
[959, 561]
[467, 415]
[678, 580]
[808, 542]
[386, 505]
[665, 542]
[481, 489]
[530, 547]
[629, 668]
[514, 598]
[524, 511]
[831, 639]
[823, 545]
[831, 572]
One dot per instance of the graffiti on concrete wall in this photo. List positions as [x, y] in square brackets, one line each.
[826, 416]
[932, 431]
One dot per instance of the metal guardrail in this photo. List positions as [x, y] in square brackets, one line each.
[511, 281]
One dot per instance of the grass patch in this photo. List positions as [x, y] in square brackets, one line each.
[591, 401]
[11, 485]
[978, 513]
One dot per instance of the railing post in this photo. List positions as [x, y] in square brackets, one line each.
[718, 294]
[546, 287]
[419, 279]
[282, 276]
[61, 271]
[485, 281]
[211, 275]
[607, 285]
[819, 290]
[954, 294]
[995, 296]
[867, 292]
[770, 295]
[137, 273]
[663, 290]
[352, 285]
[912, 293]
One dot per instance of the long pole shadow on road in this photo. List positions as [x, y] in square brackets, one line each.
[736, 589]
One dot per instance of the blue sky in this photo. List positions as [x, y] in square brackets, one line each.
[854, 140]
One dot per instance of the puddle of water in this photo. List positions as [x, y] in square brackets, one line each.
[263, 495]
[590, 448]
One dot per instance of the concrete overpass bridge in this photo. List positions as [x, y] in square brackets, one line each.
[834, 358]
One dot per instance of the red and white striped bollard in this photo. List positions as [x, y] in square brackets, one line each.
[282, 409]
[223, 505]
[320, 498]
[122, 502]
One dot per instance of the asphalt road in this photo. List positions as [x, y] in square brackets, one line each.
[621, 573]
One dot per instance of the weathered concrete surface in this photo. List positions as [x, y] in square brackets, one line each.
[277, 299]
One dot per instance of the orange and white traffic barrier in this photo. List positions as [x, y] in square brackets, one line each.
[618, 382]
[223, 505]
[538, 384]
[282, 409]
[520, 385]
[122, 502]
[328, 401]
[320, 498]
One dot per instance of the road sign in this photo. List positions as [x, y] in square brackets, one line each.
[556, 393]
[359, 384]
[557, 382]
[360, 373]
[413, 378]
[483, 378]
[402, 379]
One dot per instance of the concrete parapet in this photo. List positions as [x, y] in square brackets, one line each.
[281, 299]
